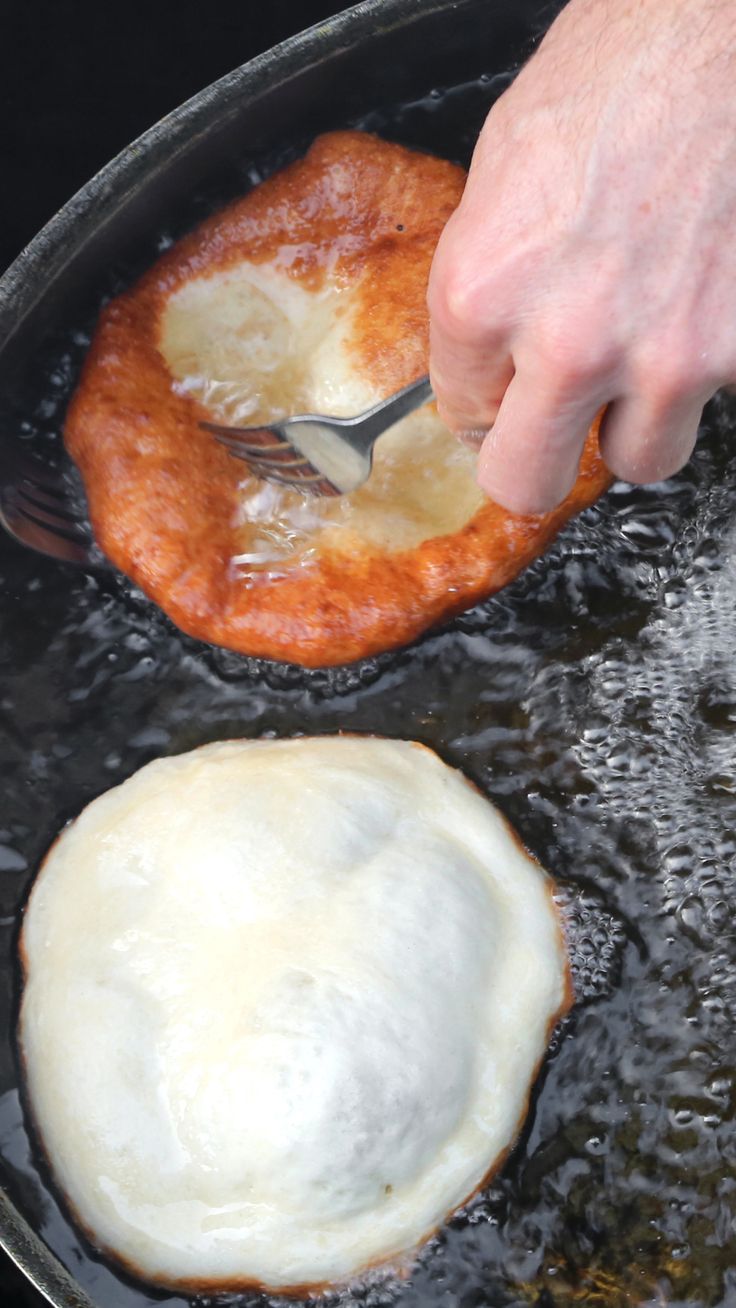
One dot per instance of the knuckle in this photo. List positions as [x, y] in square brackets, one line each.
[670, 373]
[462, 297]
[454, 302]
[667, 385]
[575, 359]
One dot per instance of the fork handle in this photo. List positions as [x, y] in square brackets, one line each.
[369, 425]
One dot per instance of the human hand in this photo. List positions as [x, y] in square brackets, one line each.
[592, 259]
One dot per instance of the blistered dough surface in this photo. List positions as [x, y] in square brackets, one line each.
[310, 291]
[253, 345]
[284, 1002]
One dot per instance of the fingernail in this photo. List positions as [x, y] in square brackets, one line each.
[473, 437]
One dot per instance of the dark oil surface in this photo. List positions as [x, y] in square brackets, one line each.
[595, 702]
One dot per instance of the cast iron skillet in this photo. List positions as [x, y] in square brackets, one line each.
[592, 700]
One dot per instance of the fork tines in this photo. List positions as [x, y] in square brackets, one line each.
[48, 506]
[37, 507]
[272, 458]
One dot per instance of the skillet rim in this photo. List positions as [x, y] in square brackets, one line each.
[30, 277]
[27, 280]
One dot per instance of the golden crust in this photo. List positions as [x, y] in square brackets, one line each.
[163, 495]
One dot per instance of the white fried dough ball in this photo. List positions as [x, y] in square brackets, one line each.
[284, 1002]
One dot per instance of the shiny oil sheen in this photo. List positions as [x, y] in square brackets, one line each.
[594, 701]
[278, 348]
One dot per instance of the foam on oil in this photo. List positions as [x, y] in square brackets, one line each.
[594, 701]
[254, 345]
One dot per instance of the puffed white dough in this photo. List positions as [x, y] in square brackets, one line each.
[284, 1002]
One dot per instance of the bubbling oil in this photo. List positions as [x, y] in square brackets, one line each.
[254, 345]
[594, 702]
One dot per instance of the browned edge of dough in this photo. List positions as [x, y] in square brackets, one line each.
[398, 1263]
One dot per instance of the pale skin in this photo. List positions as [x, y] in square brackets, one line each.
[592, 259]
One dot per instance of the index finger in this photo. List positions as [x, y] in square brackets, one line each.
[470, 365]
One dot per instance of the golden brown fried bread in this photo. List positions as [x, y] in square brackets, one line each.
[306, 295]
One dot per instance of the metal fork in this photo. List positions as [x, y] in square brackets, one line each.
[317, 454]
[38, 508]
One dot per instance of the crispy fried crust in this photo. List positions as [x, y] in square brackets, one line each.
[163, 495]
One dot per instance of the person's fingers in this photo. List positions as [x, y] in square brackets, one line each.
[529, 460]
[469, 361]
[473, 437]
[645, 440]
[468, 380]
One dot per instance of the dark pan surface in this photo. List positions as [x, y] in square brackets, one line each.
[594, 701]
